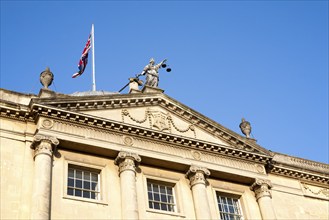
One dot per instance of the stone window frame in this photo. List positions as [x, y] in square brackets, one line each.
[88, 167]
[168, 205]
[175, 182]
[233, 194]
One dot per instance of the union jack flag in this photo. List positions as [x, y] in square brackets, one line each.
[83, 59]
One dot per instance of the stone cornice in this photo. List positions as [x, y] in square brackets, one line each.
[15, 111]
[115, 101]
[289, 161]
[300, 174]
[298, 168]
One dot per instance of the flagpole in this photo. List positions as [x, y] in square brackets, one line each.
[93, 55]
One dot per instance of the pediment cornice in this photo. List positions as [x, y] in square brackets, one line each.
[245, 152]
[122, 101]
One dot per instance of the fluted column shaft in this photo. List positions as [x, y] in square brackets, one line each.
[43, 151]
[197, 177]
[264, 198]
[127, 163]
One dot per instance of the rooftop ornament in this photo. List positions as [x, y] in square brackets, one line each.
[245, 127]
[151, 72]
[46, 78]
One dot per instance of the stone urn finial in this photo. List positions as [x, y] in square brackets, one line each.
[245, 127]
[46, 78]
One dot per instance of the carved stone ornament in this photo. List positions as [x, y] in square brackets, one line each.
[197, 175]
[129, 141]
[47, 123]
[127, 161]
[196, 154]
[46, 78]
[44, 144]
[160, 120]
[245, 127]
[315, 191]
[262, 188]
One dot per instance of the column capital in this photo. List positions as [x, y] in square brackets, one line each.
[43, 144]
[127, 161]
[197, 175]
[262, 187]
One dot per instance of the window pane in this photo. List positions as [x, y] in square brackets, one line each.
[156, 205]
[149, 187]
[151, 205]
[150, 195]
[164, 207]
[162, 189]
[93, 195]
[171, 199]
[94, 186]
[94, 177]
[70, 191]
[78, 192]
[86, 194]
[78, 174]
[155, 188]
[156, 197]
[86, 185]
[71, 173]
[86, 175]
[163, 198]
[70, 182]
[78, 183]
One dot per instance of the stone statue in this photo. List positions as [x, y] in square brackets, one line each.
[151, 71]
[245, 127]
[46, 78]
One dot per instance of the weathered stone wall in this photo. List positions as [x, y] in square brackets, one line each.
[16, 159]
[293, 199]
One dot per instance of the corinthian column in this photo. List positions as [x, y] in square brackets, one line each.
[197, 177]
[127, 163]
[264, 198]
[43, 151]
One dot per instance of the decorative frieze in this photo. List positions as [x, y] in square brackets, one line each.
[127, 161]
[197, 175]
[262, 188]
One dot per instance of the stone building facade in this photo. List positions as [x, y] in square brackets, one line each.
[143, 155]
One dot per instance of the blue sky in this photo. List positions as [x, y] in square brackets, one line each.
[266, 61]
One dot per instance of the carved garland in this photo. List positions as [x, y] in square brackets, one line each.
[325, 192]
[148, 116]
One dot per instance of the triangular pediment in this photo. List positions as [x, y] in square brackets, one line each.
[154, 112]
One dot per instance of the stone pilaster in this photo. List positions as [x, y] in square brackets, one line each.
[127, 163]
[43, 151]
[263, 195]
[197, 177]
